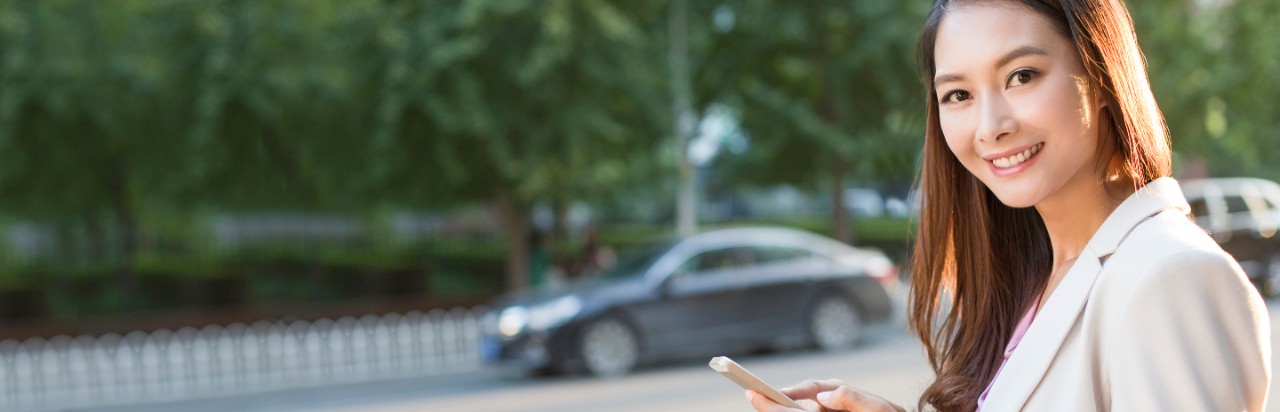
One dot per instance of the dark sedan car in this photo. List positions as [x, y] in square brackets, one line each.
[712, 293]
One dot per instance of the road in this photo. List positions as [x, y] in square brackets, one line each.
[889, 364]
[890, 367]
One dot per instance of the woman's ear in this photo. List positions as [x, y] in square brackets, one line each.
[1110, 159]
[1100, 99]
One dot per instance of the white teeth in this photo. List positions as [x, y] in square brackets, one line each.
[1017, 159]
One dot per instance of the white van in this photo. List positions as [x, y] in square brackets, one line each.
[1243, 215]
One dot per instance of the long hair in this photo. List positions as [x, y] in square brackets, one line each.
[978, 264]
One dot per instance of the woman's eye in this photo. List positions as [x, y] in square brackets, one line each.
[1021, 77]
[955, 96]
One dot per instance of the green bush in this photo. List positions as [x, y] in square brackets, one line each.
[466, 267]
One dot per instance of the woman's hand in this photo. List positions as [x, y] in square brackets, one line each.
[823, 396]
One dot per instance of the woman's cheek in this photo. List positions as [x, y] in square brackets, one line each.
[958, 140]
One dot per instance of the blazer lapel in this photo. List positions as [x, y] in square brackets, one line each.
[1029, 362]
[1035, 353]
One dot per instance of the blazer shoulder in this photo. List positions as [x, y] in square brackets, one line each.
[1170, 246]
[1173, 269]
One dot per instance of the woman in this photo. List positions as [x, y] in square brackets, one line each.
[1075, 279]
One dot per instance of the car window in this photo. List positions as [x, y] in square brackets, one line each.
[633, 261]
[715, 259]
[1199, 208]
[1236, 204]
[719, 259]
[770, 254]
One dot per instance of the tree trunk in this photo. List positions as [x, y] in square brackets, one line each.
[99, 243]
[830, 112]
[514, 217]
[126, 226]
[66, 250]
[560, 211]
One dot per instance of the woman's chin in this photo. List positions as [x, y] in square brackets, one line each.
[1019, 200]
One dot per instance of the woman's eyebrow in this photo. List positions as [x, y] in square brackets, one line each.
[947, 78]
[1019, 52]
[1005, 59]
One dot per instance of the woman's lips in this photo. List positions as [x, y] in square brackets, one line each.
[1016, 162]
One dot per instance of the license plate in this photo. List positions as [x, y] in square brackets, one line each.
[490, 348]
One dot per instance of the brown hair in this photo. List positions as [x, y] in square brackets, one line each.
[989, 259]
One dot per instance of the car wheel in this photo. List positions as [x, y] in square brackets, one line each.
[1271, 283]
[834, 323]
[609, 348]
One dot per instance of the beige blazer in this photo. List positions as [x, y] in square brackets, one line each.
[1153, 316]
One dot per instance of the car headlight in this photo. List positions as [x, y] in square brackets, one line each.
[554, 313]
[516, 319]
[513, 320]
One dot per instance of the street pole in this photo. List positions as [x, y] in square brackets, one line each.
[683, 116]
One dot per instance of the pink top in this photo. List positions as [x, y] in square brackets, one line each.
[1018, 332]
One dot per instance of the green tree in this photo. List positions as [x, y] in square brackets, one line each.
[548, 98]
[83, 100]
[1213, 67]
[826, 90]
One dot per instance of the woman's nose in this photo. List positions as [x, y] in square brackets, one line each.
[997, 120]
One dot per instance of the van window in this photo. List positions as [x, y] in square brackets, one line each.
[1199, 208]
[1271, 205]
[1236, 204]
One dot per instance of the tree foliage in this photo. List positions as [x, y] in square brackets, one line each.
[1213, 66]
[114, 112]
[827, 90]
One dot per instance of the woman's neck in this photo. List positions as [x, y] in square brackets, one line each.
[1073, 214]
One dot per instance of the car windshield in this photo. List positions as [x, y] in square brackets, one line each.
[633, 261]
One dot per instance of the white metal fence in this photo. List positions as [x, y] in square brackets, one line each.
[66, 372]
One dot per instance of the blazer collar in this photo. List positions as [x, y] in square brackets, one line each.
[1158, 195]
[1035, 353]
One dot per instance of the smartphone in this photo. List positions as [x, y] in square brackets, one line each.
[747, 380]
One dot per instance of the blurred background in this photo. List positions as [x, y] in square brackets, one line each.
[208, 199]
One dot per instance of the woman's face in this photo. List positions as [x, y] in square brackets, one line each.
[1014, 102]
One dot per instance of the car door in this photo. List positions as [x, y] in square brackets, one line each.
[698, 305]
[777, 281]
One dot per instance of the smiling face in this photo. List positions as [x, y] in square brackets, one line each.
[1015, 104]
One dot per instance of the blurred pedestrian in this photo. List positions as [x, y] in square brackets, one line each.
[539, 259]
[1055, 267]
[596, 257]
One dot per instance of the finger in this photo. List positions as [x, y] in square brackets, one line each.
[809, 405]
[810, 388]
[847, 398]
[763, 404]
